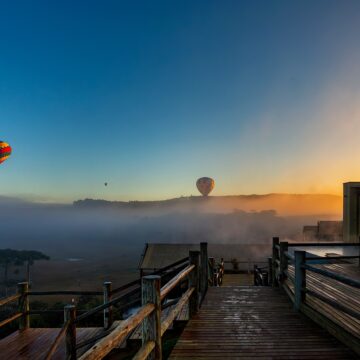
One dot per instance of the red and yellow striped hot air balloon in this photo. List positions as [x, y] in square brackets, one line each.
[5, 151]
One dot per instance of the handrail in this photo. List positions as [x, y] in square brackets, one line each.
[125, 286]
[341, 257]
[167, 267]
[8, 299]
[334, 304]
[180, 304]
[118, 334]
[323, 244]
[105, 306]
[289, 256]
[10, 319]
[343, 279]
[175, 281]
[65, 292]
[57, 340]
[145, 351]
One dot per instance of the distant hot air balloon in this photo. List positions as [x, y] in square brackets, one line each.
[105, 184]
[5, 151]
[205, 185]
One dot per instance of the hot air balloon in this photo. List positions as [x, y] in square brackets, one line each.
[105, 183]
[5, 151]
[205, 185]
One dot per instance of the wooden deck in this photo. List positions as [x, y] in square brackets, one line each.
[336, 291]
[254, 322]
[34, 343]
[243, 279]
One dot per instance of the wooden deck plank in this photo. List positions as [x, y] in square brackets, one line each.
[33, 343]
[243, 279]
[341, 293]
[254, 322]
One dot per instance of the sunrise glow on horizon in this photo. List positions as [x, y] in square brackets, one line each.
[262, 97]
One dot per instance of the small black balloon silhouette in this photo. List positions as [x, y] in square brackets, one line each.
[105, 184]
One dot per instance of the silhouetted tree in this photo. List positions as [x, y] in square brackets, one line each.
[10, 257]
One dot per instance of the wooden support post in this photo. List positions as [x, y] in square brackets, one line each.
[254, 280]
[300, 279]
[194, 282]
[270, 272]
[204, 269]
[151, 326]
[275, 256]
[70, 314]
[108, 312]
[283, 260]
[23, 305]
[212, 271]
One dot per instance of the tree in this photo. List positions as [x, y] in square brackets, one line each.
[10, 257]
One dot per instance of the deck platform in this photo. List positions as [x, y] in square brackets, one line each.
[243, 279]
[254, 322]
[34, 343]
[336, 291]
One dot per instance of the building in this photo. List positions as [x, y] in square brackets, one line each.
[329, 231]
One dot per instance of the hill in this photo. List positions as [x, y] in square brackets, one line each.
[283, 204]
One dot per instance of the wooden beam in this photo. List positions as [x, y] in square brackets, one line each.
[194, 282]
[275, 256]
[108, 312]
[212, 271]
[175, 281]
[10, 319]
[176, 310]
[300, 279]
[151, 326]
[9, 299]
[70, 340]
[204, 269]
[23, 305]
[145, 351]
[118, 335]
[283, 260]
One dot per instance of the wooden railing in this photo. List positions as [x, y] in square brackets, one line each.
[216, 272]
[261, 276]
[302, 262]
[195, 270]
[149, 314]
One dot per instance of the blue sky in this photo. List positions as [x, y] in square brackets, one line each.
[150, 95]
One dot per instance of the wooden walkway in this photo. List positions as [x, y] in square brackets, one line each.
[34, 343]
[254, 322]
[336, 291]
[243, 279]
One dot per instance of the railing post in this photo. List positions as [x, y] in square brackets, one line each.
[221, 271]
[212, 271]
[108, 312]
[204, 269]
[270, 272]
[255, 270]
[151, 326]
[275, 256]
[23, 305]
[300, 279]
[70, 314]
[283, 260]
[194, 282]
